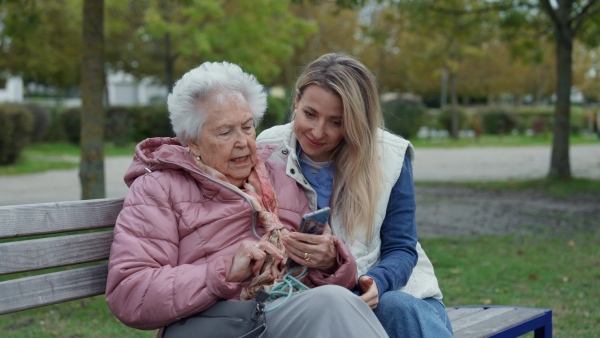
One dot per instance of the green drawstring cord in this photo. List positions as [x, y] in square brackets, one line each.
[287, 286]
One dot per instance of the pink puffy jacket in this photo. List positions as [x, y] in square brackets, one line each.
[175, 238]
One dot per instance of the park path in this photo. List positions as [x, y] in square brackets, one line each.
[442, 165]
[500, 163]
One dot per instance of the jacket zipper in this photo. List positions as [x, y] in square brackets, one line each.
[221, 183]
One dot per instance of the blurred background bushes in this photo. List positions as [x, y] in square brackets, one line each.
[125, 125]
[404, 117]
[17, 122]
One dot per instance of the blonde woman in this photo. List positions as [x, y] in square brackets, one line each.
[337, 150]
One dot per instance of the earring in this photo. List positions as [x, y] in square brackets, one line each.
[197, 158]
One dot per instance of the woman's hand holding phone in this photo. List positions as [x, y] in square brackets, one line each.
[319, 249]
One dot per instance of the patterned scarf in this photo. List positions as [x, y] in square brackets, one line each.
[260, 192]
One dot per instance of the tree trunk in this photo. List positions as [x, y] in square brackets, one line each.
[169, 61]
[91, 168]
[559, 163]
[444, 88]
[453, 106]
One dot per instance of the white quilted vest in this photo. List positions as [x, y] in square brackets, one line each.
[422, 282]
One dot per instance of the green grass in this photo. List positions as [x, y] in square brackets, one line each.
[556, 188]
[560, 273]
[41, 157]
[533, 271]
[28, 165]
[89, 317]
[496, 141]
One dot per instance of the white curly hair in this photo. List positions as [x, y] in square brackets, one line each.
[191, 95]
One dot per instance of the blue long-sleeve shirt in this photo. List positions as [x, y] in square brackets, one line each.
[398, 231]
[398, 235]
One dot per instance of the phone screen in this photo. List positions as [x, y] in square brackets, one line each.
[314, 224]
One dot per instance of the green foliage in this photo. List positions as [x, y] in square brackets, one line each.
[151, 121]
[404, 117]
[119, 126]
[276, 114]
[123, 124]
[17, 124]
[445, 118]
[70, 123]
[538, 119]
[167, 38]
[498, 121]
[55, 131]
[42, 119]
[44, 40]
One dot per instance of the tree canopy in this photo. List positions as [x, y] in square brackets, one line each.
[164, 39]
[41, 40]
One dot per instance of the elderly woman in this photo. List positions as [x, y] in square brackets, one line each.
[197, 221]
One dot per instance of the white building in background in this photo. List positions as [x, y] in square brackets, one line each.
[11, 90]
[125, 90]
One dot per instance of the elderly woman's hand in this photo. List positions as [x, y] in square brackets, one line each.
[312, 251]
[249, 258]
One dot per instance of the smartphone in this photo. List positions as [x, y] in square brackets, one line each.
[314, 224]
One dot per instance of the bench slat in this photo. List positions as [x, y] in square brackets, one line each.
[53, 288]
[499, 323]
[457, 313]
[48, 218]
[52, 252]
[477, 317]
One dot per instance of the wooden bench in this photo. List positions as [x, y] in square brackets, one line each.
[65, 248]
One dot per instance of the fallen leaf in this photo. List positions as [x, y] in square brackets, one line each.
[533, 277]
[565, 279]
[487, 301]
[571, 243]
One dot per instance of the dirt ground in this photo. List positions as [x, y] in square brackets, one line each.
[447, 210]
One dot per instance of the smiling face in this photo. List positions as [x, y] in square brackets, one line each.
[319, 122]
[228, 139]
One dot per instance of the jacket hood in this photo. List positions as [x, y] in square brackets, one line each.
[148, 153]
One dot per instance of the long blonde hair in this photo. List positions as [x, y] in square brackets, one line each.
[358, 174]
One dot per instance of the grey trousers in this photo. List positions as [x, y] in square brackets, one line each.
[325, 311]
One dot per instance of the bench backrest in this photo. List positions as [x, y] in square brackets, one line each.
[61, 249]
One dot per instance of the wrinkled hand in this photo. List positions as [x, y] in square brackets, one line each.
[321, 249]
[249, 258]
[369, 290]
